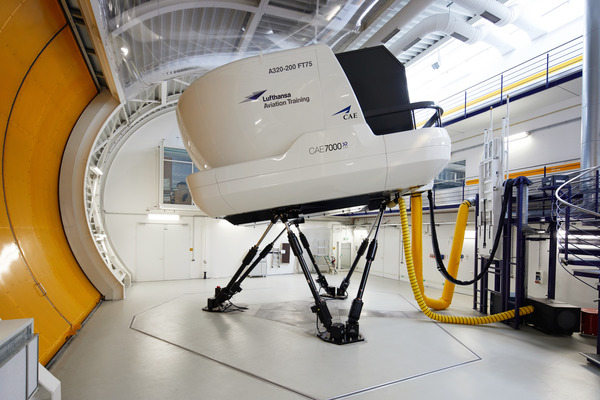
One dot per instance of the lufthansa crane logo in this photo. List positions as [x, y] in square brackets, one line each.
[346, 114]
[254, 96]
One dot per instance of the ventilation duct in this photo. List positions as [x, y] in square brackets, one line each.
[501, 15]
[491, 10]
[409, 12]
[495, 12]
[450, 25]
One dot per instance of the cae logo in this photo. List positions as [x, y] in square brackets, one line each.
[346, 113]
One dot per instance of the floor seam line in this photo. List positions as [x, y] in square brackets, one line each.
[223, 363]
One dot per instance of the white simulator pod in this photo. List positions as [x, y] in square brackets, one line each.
[308, 131]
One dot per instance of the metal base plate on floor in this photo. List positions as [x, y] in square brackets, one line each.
[325, 336]
[277, 333]
[592, 358]
[336, 297]
[225, 308]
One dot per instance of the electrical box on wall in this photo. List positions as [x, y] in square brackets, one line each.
[539, 277]
[554, 181]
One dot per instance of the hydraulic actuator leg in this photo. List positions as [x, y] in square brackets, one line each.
[359, 253]
[330, 291]
[349, 333]
[352, 332]
[222, 295]
[320, 307]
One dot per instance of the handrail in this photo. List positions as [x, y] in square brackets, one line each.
[537, 72]
[579, 245]
[562, 187]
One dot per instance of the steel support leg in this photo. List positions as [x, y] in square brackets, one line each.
[320, 307]
[359, 253]
[236, 287]
[330, 291]
[217, 303]
[339, 333]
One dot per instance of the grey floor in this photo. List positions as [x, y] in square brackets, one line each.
[158, 344]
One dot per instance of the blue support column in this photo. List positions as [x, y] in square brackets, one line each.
[520, 267]
[506, 256]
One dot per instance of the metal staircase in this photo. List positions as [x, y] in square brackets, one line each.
[578, 232]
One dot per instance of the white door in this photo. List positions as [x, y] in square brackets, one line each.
[150, 253]
[345, 255]
[177, 252]
[163, 252]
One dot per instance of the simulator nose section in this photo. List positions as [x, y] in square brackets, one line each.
[308, 130]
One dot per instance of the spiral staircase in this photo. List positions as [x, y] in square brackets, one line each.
[578, 232]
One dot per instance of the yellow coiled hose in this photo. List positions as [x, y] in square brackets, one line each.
[417, 250]
[450, 319]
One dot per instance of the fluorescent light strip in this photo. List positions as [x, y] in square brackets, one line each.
[518, 136]
[163, 217]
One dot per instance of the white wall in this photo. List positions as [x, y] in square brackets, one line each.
[552, 139]
[132, 190]
[216, 247]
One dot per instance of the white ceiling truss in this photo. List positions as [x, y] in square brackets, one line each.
[156, 40]
[150, 41]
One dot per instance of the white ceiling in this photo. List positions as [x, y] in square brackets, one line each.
[151, 41]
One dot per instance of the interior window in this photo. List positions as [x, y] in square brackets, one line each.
[452, 176]
[176, 166]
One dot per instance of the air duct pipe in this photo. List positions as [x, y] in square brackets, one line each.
[416, 204]
[590, 103]
[449, 319]
[501, 15]
[495, 12]
[450, 25]
[398, 21]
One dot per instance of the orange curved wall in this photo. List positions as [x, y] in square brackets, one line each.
[45, 87]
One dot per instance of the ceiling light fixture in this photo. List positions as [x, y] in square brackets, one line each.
[163, 217]
[518, 136]
[96, 170]
[333, 12]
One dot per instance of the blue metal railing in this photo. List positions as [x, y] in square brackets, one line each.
[578, 222]
[556, 66]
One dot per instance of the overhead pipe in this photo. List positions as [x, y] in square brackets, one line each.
[495, 12]
[409, 12]
[501, 15]
[590, 97]
[450, 25]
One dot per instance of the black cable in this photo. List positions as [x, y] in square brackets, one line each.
[508, 185]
